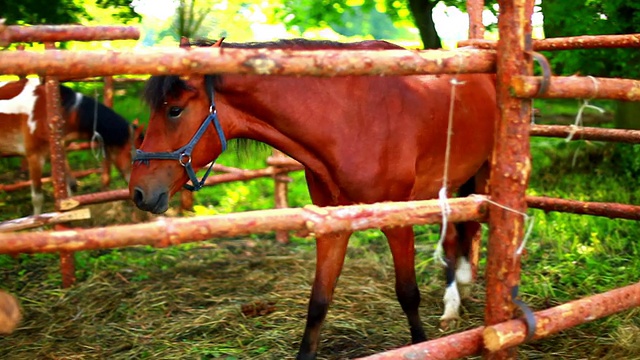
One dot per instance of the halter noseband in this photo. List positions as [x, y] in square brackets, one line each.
[183, 154]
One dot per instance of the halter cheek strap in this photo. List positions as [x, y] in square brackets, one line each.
[183, 154]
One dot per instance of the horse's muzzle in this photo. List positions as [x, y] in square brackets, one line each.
[155, 202]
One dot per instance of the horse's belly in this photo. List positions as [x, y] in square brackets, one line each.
[12, 143]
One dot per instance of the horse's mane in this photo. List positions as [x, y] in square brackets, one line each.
[305, 44]
[159, 87]
[113, 128]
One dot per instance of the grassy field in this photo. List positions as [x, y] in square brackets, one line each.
[186, 302]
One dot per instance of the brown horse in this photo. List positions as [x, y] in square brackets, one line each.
[24, 130]
[362, 140]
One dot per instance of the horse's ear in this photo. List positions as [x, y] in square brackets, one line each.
[218, 43]
[184, 42]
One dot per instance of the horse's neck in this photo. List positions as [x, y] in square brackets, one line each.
[283, 113]
[278, 111]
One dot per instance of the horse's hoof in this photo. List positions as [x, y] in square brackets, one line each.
[449, 323]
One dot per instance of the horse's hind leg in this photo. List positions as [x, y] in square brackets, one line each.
[458, 246]
[469, 234]
[451, 295]
[330, 253]
[401, 243]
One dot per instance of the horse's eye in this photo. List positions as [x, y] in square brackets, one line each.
[174, 112]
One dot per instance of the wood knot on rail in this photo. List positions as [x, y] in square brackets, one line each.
[262, 65]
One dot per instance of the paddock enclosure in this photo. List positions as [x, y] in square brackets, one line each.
[511, 58]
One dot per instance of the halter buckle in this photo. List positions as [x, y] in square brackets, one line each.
[182, 160]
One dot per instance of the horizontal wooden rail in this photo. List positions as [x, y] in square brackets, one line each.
[54, 33]
[178, 61]
[172, 231]
[587, 133]
[231, 175]
[605, 209]
[514, 332]
[27, 183]
[581, 87]
[454, 346]
[31, 222]
[553, 320]
[567, 43]
[73, 202]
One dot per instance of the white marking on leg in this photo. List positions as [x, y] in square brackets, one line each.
[451, 303]
[24, 103]
[463, 271]
[77, 101]
[37, 198]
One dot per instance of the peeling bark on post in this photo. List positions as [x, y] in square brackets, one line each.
[476, 27]
[476, 31]
[108, 91]
[56, 141]
[581, 87]
[313, 219]
[456, 346]
[551, 321]
[246, 61]
[586, 133]
[510, 168]
[568, 43]
[58, 168]
[55, 33]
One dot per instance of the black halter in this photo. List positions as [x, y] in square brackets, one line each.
[183, 154]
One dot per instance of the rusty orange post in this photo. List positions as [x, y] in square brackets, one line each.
[510, 168]
[476, 27]
[476, 31]
[58, 168]
[108, 91]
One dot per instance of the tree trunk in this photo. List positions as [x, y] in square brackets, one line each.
[421, 11]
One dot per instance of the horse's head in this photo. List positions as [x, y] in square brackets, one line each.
[183, 135]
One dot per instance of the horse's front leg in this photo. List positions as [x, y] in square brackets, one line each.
[451, 295]
[401, 243]
[330, 253]
[35, 161]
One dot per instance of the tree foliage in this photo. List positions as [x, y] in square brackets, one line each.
[378, 18]
[189, 18]
[593, 17]
[36, 12]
